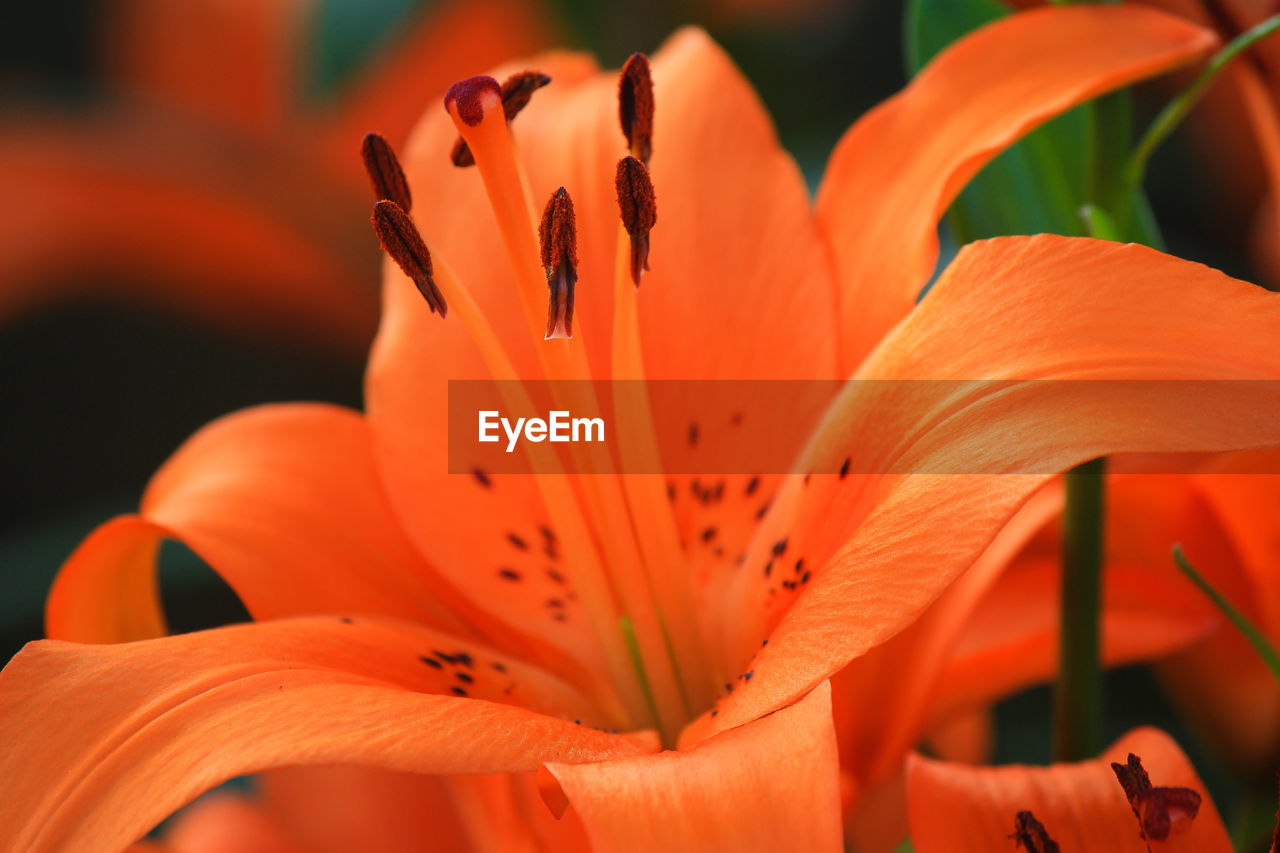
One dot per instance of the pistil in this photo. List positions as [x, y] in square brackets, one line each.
[476, 108]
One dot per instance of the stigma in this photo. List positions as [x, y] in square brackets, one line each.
[516, 92]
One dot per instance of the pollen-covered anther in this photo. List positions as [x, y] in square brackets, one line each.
[1030, 834]
[1160, 811]
[467, 98]
[639, 209]
[401, 240]
[558, 235]
[635, 106]
[384, 171]
[516, 91]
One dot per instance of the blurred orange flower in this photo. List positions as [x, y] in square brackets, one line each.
[540, 627]
[1225, 516]
[203, 182]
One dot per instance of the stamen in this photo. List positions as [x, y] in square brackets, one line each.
[401, 240]
[559, 238]
[639, 211]
[384, 171]
[1030, 833]
[516, 92]
[635, 106]
[1158, 809]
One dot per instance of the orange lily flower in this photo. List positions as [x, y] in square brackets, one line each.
[415, 621]
[1142, 795]
[202, 165]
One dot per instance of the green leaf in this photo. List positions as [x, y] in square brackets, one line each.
[1041, 183]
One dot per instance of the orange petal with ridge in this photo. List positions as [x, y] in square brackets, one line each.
[895, 172]
[172, 717]
[1048, 308]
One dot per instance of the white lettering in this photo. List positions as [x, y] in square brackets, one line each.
[488, 421]
[587, 424]
[560, 427]
[512, 434]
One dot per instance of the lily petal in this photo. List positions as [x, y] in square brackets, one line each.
[283, 502]
[1012, 639]
[772, 784]
[897, 170]
[175, 716]
[884, 699]
[958, 809]
[1026, 308]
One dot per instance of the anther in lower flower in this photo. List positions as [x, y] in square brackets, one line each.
[384, 172]
[559, 239]
[401, 240]
[1159, 810]
[635, 106]
[516, 92]
[1030, 834]
[639, 211]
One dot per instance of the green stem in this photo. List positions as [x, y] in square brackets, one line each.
[1078, 698]
[1176, 110]
[1255, 637]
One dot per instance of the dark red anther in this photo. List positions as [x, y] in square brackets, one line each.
[467, 97]
[1030, 834]
[401, 240]
[384, 171]
[1156, 808]
[516, 92]
[639, 209]
[635, 106]
[558, 235]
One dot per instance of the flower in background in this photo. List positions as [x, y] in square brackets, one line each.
[1226, 516]
[1237, 128]
[520, 637]
[202, 180]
